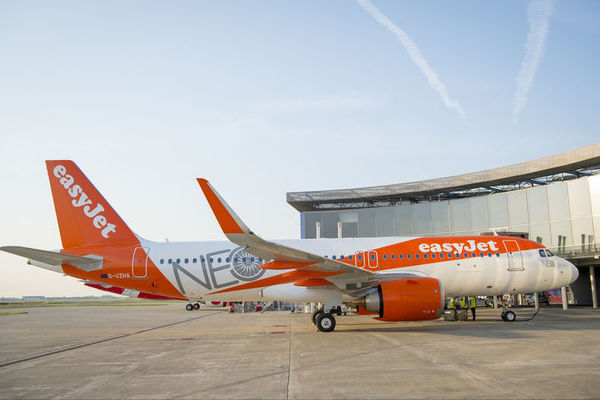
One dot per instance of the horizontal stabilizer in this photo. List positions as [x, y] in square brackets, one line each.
[86, 263]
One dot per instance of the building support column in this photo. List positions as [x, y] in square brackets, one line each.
[496, 302]
[339, 226]
[593, 285]
[565, 301]
[536, 300]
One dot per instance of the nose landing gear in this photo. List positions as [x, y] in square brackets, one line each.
[508, 316]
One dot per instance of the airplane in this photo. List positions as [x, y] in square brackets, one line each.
[397, 278]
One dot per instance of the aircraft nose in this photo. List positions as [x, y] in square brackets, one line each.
[574, 272]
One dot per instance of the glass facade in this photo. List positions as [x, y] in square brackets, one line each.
[564, 216]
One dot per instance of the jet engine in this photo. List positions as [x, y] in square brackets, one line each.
[410, 299]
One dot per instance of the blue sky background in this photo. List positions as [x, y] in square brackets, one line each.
[267, 97]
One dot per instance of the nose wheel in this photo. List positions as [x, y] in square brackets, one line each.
[508, 316]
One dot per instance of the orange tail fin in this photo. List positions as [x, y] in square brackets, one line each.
[84, 217]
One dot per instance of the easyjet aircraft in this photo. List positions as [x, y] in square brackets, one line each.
[400, 279]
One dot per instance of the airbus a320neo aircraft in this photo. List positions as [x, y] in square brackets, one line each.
[400, 279]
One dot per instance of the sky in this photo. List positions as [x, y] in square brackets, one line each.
[268, 97]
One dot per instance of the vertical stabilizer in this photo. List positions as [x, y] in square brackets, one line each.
[84, 217]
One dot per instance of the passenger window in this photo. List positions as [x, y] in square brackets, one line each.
[372, 256]
[334, 257]
[202, 258]
[179, 261]
[393, 256]
[350, 258]
[186, 260]
[219, 260]
[194, 260]
[400, 256]
[360, 257]
[497, 254]
[449, 255]
[441, 255]
[424, 255]
[227, 259]
[457, 255]
[549, 253]
[385, 256]
[162, 260]
[466, 255]
[481, 254]
[211, 259]
[408, 256]
[416, 256]
[432, 255]
[342, 258]
[473, 254]
[489, 254]
[170, 261]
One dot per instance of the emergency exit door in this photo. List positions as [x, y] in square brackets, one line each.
[513, 252]
[139, 262]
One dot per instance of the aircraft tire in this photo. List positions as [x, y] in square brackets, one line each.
[325, 322]
[510, 316]
[196, 306]
[314, 316]
[189, 307]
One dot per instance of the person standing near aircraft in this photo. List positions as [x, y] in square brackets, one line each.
[472, 305]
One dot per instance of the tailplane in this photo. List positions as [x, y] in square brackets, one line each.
[84, 217]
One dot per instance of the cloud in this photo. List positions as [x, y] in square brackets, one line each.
[414, 54]
[538, 18]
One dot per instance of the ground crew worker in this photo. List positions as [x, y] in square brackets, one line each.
[452, 306]
[472, 305]
[463, 303]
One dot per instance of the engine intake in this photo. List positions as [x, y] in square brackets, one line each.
[411, 299]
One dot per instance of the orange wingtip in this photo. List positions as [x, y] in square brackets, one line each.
[223, 215]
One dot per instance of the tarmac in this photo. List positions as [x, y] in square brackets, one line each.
[165, 352]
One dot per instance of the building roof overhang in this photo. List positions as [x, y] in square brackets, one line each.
[563, 166]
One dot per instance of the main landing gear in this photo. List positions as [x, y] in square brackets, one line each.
[325, 322]
[192, 306]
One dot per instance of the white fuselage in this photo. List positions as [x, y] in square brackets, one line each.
[198, 269]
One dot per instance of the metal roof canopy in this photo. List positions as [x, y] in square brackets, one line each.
[560, 167]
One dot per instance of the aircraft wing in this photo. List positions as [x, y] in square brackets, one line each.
[347, 277]
[86, 263]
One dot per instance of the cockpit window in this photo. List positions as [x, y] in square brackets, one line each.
[542, 253]
[549, 253]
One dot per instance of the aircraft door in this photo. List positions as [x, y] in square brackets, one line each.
[513, 252]
[372, 259]
[139, 262]
[359, 259]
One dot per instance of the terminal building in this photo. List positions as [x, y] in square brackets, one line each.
[554, 200]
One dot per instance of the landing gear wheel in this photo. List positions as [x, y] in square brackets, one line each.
[189, 307]
[509, 316]
[196, 306]
[314, 316]
[325, 322]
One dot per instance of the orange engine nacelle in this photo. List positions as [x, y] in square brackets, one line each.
[410, 299]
